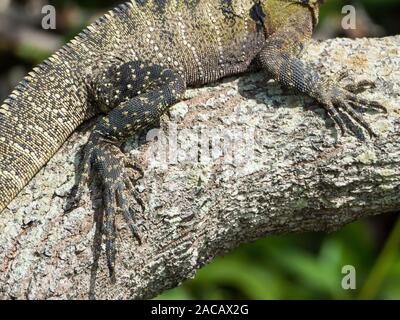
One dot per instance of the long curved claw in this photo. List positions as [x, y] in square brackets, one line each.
[77, 190]
[360, 120]
[109, 230]
[127, 212]
[335, 116]
[364, 103]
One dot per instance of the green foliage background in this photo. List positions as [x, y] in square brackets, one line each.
[304, 266]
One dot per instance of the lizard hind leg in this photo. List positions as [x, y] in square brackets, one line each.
[105, 160]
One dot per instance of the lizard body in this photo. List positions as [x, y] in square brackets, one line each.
[135, 62]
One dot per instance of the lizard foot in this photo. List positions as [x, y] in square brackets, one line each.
[339, 99]
[118, 175]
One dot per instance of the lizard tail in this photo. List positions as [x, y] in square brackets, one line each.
[51, 102]
[38, 116]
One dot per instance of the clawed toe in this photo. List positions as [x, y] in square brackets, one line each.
[364, 103]
[135, 231]
[337, 119]
[127, 211]
[76, 193]
[346, 106]
[108, 229]
[116, 174]
[74, 199]
[360, 86]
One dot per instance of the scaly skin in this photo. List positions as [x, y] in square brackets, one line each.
[132, 65]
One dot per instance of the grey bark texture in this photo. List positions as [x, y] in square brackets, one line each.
[235, 162]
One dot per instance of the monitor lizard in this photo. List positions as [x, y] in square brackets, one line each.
[135, 62]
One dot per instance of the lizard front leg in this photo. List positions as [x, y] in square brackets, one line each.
[157, 89]
[279, 57]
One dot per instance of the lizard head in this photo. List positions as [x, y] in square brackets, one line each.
[312, 4]
[273, 6]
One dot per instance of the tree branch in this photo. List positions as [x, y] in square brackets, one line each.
[235, 162]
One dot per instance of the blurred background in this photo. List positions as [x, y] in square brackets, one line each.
[304, 266]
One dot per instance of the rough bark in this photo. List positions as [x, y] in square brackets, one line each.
[286, 175]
